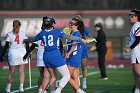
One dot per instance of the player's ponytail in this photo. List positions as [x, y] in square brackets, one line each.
[16, 26]
[81, 26]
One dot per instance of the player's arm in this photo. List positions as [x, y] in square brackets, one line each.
[74, 38]
[71, 50]
[4, 50]
[29, 51]
[136, 42]
[30, 40]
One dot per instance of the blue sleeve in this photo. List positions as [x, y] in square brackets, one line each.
[39, 36]
[77, 35]
[60, 33]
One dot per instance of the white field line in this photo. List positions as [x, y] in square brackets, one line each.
[89, 74]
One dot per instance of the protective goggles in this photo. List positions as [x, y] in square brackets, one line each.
[72, 23]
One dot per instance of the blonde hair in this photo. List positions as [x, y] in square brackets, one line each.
[16, 26]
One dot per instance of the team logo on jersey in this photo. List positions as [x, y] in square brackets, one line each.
[137, 32]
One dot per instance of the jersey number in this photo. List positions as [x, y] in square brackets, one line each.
[49, 39]
[17, 39]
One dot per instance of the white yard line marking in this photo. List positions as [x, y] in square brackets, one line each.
[89, 74]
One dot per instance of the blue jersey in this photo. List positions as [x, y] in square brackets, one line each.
[74, 59]
[52, 56]
[50, 38]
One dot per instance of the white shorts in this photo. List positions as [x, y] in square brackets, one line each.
[15, 56]
[40, 62]
[135, 54]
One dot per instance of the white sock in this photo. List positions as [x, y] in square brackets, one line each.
[78, 90]
[8, 85]
[63, 70]
[21, 85]
[79, 80]
[137, 90]
[40, 90]
[84, 79]
[52, 92]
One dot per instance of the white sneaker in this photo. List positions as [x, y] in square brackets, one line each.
[57, 83]
[81, 91]
[7, 89]
[43, 91]
[21, 89]
[57, 91]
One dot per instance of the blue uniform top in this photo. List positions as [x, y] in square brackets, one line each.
[50, 38]
[74, 59]
[52, 57]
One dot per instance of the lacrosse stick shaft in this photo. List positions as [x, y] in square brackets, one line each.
[78, 42]
[30, 79]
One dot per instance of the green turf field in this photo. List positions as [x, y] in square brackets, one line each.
[120, 81]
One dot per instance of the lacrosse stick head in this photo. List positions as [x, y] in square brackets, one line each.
[90, 39]
[67, 30]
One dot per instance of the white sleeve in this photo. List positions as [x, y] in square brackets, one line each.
[8, 38]
[137, 32]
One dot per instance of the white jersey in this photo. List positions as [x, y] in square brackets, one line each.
[40, 62]
[135, 52]
[17, 49]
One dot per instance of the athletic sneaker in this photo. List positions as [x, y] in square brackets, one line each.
[81, 91]
[57, 84]
[7, 89]
[21, 89]
[43, 91]
[103, 78]
[57, 91]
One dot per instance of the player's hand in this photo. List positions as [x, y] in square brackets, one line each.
[25, 57]
[67, 55]
[127, 50]
[93, 48]
[84, 41]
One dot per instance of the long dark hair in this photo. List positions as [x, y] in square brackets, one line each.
[81, 26]
[16, 26]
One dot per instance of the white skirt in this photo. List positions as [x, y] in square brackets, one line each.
[15, 56]
[40, 62]
[135, 54]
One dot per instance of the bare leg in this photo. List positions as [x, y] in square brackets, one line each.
[53, 78]
[84, 72]
[22, 76]
[10, 78]
[45, 78]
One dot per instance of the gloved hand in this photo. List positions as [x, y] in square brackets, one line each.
[25, 57]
